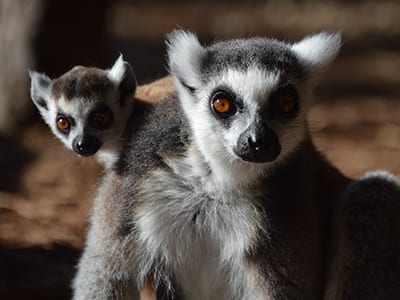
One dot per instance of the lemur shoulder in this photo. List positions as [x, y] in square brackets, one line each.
[88, 108]
[219, 192]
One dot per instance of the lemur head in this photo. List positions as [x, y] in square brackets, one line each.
[246, 99]
[86, 108]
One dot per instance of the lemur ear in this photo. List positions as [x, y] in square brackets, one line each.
[185, 55]
[319, 49]
[123, 76]
[40, 90]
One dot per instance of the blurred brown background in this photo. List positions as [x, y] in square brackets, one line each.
[46, 191]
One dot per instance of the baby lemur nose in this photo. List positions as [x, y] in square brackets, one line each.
[86, 145]
[258, 144]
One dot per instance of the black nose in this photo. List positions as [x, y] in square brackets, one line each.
[86, 145]
[258, 144]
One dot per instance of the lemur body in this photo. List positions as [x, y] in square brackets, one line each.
[203, 238]
[88, 108]
[220, 194]
[83, 93]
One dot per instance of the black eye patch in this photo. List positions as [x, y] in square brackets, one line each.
[101, 118]
[284, 102]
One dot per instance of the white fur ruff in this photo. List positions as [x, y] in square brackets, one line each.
[199, 229]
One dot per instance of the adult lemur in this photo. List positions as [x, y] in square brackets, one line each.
[220, 194]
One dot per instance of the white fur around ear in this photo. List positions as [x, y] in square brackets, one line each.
[40, 89]
[319, 49]
[117, 72]
[122, 75]
[184, 57]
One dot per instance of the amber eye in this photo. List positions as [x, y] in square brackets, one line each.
[223, 105]
[63, 123]
[286, 104]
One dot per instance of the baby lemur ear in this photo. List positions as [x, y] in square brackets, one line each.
[318, 50]
[40, 91]
[123, 76]
[185, 56]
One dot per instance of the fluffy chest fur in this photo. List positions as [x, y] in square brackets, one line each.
[195, 232]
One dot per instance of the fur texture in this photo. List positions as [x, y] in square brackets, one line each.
[365, 262]
[209, 221]
[80, 97]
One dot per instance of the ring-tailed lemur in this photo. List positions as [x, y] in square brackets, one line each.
[219, 192]
[87, 108]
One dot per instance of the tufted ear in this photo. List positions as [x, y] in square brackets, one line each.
[318, 50]
[40, 92]
[123, 76]
[185, 55]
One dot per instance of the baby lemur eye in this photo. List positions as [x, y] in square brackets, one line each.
[223, 105]
[286, 104]
[63, 123]
[285, 101]
[101, 118]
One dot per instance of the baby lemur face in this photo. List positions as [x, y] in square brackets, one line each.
[246, 99]
[86, 108]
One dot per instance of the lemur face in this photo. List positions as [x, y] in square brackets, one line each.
[253, 115]
[246, 99]
[83, 123]
[86, 108]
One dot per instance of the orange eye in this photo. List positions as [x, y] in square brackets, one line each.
[286, 104]
[63, 124]
[222, 105]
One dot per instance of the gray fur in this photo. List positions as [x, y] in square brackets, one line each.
[365, 252]
[182, 208]
[242, 54]
[77, 95]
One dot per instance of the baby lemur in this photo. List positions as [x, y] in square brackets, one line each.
[88, 108]
[219, 192]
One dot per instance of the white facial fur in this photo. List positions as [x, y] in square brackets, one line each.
[253, 86]
[79, 108]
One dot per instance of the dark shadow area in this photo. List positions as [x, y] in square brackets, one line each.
[362, 90]
[13, 158]
[37, 273]
[371, 43]
[146, 57]
[71, 33]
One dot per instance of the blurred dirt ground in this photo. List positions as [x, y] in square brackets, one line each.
[46, 191]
